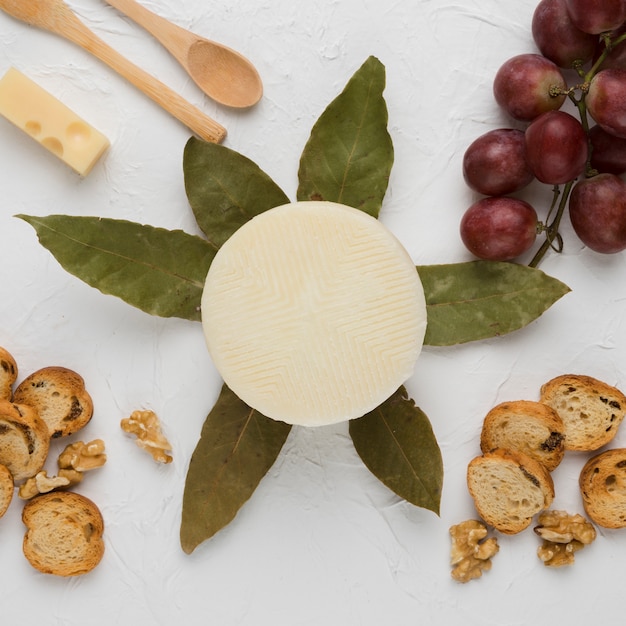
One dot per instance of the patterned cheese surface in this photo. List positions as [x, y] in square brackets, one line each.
[313, 313]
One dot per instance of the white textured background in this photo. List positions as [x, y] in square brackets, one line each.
[321, 542]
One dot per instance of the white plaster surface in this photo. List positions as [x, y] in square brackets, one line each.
[321, 542]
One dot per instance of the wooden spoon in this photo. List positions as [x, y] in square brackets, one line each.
[222, 73]
[57, 17]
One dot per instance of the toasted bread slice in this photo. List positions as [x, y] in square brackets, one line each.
[529, 427]
[60, 397]
[64, 533]
[8, 374]
[508, 489]
[7, 489]
[603, 488]
[590, 409]
[24, 440]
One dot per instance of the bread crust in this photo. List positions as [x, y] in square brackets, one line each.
[24, 440]
[64, 533]
[8, 374]
[7, 489]
[532, 428]
[508, 489]
[60, 397]
[603, 488]
[591, 410]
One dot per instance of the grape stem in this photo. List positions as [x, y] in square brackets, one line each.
[554, 239]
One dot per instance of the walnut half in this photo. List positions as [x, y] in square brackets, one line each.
[146, 427]
[471, 551]
[41, 483]
[82, 457]
[76, 459]
[563, 534]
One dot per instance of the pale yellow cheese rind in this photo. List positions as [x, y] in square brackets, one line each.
[313, 313]
[50, 122]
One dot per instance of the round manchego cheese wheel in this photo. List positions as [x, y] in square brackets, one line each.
[313, 313]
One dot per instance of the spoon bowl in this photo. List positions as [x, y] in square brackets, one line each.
[224, 75]
[219, 71]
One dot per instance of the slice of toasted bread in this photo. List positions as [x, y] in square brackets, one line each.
[64, 533]
[530, 427]
[603, 488]
[591, 410]
[24, 440]
[60, 397]
[7, 488]
[508, 489]
[8, 374]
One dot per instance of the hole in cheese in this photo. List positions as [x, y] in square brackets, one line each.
[32, 128]
[313, 313]
[78, 133]
[54, 145]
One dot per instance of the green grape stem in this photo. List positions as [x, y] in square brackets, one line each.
[577, 95]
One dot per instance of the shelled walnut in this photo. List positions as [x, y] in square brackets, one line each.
[82, 457]
[41, 483]
[563, 534]
[146, 427]
[471, 551]
[76, 459]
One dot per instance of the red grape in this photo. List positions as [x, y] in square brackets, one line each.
[556, 147]
[608, 153]
[556, 36]
[499, 229]
[606, 101]
[528, 85]
[597, 16]
[597, 208]
[495, 163]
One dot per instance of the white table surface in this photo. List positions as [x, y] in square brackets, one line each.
[321, 542]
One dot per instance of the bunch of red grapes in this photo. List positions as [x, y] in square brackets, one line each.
[583, 156]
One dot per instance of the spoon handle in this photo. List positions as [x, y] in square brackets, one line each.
[74, 30]
[171, 36]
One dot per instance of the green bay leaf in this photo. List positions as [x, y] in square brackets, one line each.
[225, 189]
[159, 271]
[236, 449]
[397, 444]
[349, 154]
[482, 299]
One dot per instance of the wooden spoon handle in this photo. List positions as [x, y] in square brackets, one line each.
[172, 36]
[205, 127]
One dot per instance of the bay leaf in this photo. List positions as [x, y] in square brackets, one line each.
[349, 154]
[159, 271]
[397, 444]
[225, 189]
[236, 449]
[482, 299]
